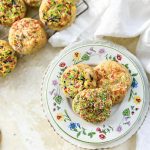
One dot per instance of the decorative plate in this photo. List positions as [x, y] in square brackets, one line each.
[126, 117]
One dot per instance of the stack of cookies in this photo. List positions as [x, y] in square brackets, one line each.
[95, 90]
[28, 35]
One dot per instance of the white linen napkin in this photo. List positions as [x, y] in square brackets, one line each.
[143, 53]
[117, 18]
[143, 49]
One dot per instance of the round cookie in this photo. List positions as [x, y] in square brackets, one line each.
[8, 59]
[57, 14]
[115, 77]
[77, 78]
[33, 3]
[93, 105]
[27, 36]
[11, 11]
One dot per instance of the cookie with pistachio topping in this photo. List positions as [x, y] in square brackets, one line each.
[77, 78]
[8, 59]
[11, 11]
[115, 77]
[27, 36]
[57, 14]
[93, 105]
[33, 3]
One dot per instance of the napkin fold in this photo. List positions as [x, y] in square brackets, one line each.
[117, 18]
[143, 49]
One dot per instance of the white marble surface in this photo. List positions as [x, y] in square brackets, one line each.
[22, 121]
